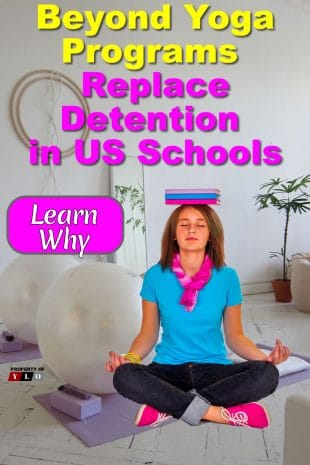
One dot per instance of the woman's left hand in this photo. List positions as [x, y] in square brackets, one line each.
[279, 353]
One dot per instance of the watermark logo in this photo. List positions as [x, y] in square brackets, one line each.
[26, 374]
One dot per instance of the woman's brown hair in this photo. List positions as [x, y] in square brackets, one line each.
[215, 244]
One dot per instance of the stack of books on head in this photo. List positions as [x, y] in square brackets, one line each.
[209, 196]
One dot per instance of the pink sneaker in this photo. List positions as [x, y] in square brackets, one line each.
[252, 414]
[149, 416]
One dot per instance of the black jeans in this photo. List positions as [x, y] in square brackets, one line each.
[186, 391]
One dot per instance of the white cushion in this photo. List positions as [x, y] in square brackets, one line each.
[291, 365]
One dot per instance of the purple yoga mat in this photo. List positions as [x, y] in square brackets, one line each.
[294, 377]
[28, 352]
[115, 421]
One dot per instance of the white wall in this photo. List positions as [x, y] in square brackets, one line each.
[24, 49]
[270, 91]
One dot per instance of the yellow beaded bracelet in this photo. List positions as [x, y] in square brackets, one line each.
[135, 358]
[132, 357]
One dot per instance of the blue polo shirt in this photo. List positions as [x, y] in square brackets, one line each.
[191, 336]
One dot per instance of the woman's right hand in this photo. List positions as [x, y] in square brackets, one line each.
[115, 361]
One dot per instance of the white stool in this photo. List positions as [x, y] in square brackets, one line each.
[297, 428]
[300, 285]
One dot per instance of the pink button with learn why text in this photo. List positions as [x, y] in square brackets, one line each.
[65, 225]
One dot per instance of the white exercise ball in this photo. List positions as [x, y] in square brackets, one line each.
[22, 284]
[88, 312]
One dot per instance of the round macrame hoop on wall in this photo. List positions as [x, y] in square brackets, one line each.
[21, 87]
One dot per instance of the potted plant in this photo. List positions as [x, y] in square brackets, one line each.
[288, 197]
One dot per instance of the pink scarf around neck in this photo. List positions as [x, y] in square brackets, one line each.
[192, 284]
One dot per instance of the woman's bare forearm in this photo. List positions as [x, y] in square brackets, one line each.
[142, 345]
[245, 348]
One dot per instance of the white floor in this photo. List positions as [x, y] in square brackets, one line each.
[30, 436]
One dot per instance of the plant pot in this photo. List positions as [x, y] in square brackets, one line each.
[282, 290]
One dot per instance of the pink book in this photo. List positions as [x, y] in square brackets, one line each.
[193, 191]
[192, 201]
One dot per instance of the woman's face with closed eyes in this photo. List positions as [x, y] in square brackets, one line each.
[192, 231]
